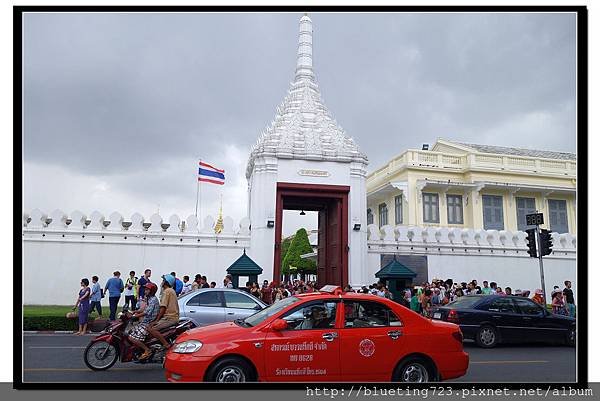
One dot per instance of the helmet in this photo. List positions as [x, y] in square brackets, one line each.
[152, 288]
[169, 279]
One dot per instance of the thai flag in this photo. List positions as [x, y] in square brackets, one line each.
[208, 173]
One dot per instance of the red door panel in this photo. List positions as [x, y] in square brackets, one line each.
[334, 244]
[302, 355]
[309, 350]
[322, 250]
[372, 343]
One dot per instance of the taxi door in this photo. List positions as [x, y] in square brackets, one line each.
[371, 339]
[309, 348]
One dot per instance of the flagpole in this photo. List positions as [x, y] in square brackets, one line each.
[198, 191]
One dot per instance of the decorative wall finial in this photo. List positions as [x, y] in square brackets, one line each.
[304, 64]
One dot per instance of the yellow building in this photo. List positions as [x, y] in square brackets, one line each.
[474, 186]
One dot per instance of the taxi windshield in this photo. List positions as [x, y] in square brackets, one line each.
[269, 311]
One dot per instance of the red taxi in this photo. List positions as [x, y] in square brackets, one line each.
[322, 336]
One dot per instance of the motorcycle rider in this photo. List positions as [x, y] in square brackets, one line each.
[168, 315]
[149, 312]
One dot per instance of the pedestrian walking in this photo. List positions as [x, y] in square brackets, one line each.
[130, 291]
[115, 287]
[141, 283]
[414, 301]
[558, 303]
[83, 303]
[486, 290]
[187, 286]
[426, 303]
[96, 296]
[254, 290]
[197, 282]
[178, 284]
[538, 297]
[387, 293]
[266, 292]
[569, 298]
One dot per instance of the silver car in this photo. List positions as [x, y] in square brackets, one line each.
[216, 305]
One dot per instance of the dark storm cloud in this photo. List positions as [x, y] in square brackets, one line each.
[136, 98]
[128, 88]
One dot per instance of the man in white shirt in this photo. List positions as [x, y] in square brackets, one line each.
[187, 286]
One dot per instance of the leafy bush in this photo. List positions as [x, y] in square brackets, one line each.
[37, 323]
[49, 317]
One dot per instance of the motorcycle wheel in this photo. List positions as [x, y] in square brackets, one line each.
[100, 355]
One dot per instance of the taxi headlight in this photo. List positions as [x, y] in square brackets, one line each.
[187, 347]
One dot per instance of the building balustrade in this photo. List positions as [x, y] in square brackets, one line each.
[426, 158]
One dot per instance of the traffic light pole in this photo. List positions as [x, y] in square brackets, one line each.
[539, 250]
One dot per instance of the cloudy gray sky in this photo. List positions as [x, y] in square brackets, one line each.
[118, 108]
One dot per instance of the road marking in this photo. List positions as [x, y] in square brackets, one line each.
[57, 347]
[506, 362]
[79, 369]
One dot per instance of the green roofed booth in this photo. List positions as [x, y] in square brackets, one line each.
[244, 267]
[396, 277]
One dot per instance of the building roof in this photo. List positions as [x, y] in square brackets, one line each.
[395, 269]
[244, 266]
[303, 128]
[519, 151]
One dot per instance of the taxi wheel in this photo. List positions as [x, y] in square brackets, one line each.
[487, 337]
[414, 370]
[230, 370]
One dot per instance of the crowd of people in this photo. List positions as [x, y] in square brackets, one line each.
[153, 314]
[90, 296]
[420, 298]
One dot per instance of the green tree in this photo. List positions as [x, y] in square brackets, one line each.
[300, 245]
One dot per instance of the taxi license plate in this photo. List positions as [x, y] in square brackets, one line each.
[437, 315]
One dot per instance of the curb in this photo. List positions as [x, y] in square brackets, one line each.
[54, 332]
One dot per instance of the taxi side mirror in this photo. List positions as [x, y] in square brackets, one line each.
[279, 324]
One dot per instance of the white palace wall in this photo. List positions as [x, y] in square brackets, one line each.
[466, 254]
[56, 256]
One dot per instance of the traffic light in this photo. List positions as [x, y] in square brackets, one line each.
[531, 243]
[545, 242]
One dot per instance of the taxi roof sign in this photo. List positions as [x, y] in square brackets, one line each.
[331, 289]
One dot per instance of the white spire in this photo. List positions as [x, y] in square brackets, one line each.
[303, 128]
[304, 64]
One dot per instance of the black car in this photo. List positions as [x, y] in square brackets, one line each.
[493, 319]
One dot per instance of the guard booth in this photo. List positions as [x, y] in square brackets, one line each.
[244, 266]
[396, 277]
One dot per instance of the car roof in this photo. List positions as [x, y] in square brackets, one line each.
[201, 290]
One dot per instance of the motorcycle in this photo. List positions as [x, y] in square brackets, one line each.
[113, 344]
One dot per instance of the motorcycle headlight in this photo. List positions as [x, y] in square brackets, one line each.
[187, 347]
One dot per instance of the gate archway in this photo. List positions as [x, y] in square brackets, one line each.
[331, 202]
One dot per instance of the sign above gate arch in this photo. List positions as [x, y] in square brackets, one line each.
[314, 173]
